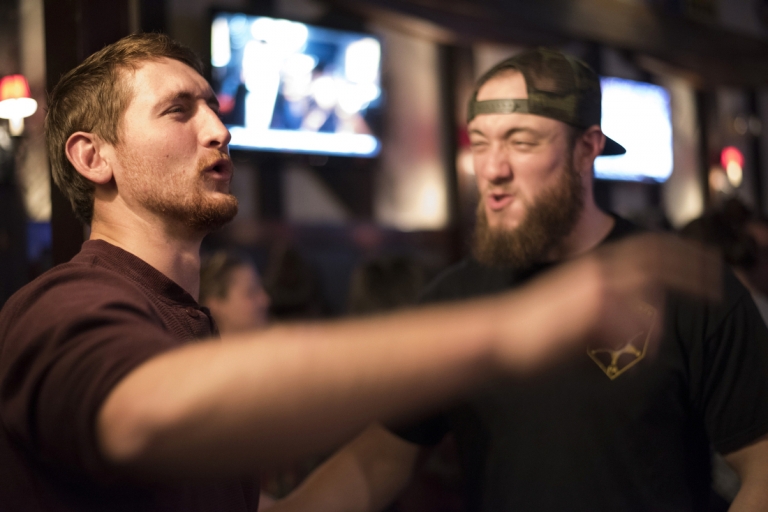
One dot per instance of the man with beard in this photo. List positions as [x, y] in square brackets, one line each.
[603, 429]
[109, 397]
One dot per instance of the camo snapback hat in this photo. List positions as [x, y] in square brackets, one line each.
[559, 86]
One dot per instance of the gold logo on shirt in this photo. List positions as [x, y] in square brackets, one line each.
[614, 362]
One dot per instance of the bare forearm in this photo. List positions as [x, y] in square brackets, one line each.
[217, 407]
[751, 464]
[337, 486]
[751, 499]
[364, 476]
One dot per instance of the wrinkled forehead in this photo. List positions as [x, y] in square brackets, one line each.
[508, 84]
[502, 104]
[159, 80]
[128, 78]
[505, 93]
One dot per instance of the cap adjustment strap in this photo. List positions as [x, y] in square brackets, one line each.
[505, 106]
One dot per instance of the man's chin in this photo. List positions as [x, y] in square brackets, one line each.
[502, 225]
[221, 189]
[211, 214]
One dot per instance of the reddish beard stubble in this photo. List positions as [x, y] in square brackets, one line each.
[179, 197]
[548, 220]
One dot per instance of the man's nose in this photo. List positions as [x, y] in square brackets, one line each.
[496, 165]
[215, 134]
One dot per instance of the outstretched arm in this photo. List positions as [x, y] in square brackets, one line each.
[751, 464]
[364, 476]
[226, 408]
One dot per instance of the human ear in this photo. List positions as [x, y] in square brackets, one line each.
[588, 147]
[86, 153]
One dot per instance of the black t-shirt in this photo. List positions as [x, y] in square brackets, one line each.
[600, 431]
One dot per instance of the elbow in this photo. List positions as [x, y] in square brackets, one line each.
[123, 435]
[128, 429]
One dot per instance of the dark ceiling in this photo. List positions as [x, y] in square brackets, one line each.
[707, 53]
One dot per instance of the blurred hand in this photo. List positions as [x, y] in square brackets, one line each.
[608, 296]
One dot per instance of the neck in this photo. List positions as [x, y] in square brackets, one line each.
[172, 250]
[591, 229]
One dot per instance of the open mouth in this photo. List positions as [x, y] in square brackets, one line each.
[221, 169]
[499, 200]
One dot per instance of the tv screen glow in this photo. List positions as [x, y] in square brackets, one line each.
[288, 86]
[637, 115]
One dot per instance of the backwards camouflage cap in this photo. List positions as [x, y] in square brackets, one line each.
[559, 86]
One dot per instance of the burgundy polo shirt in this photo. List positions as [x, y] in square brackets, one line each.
[66, 340]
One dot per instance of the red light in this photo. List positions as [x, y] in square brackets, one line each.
[731, 155]
[13, 86]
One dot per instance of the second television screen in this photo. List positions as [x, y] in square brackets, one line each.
[288, 86]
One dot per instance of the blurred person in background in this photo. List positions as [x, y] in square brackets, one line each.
[755, 275]
[230, 287]
[625, 428]
[115, 393]
[741, 236]
[293, 285]
[384, 284]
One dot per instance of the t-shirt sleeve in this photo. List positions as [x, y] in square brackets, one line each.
[63, 351]
[729, 372]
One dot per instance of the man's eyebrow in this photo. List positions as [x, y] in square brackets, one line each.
[179, 95]
[212, 100]
[510, 132]
[209, 97]
[522, 129]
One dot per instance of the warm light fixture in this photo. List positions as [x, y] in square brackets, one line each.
[15, 103]
[733, 163]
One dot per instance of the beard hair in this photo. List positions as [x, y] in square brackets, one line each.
[181, 200]
[197, 211]
[201, 213]
[548, 220]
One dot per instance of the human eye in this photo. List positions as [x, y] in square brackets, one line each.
[176, 109]
[478, 144]
[523, 143]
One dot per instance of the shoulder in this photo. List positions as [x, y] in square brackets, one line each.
[735, 305]
[69, 292]
[71, 284]
[725, 349]
[66, 339]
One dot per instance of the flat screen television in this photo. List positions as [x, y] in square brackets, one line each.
[637, 115]
[291, 87]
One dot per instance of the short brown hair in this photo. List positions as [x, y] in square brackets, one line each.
[92, 98]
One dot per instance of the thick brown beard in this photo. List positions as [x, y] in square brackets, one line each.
[546, 224]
